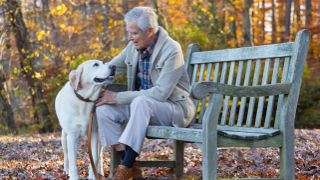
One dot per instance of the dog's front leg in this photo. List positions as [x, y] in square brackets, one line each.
[72, 141]
[65, 151]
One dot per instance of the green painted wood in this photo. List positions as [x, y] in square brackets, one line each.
[246, 135]
[280, 98]
[178, 153]
[183, 134]
[253, 178]
[256, 52]
[252, 99]
[203, 101]
[117, 87]
[262, 98]
[156, 163]
[216, 72]
[193, 80]
[223, 72]
[209, 70]
[244, 99]
[194, 74]
[227, 98]
[191, 49]
[267, 122]
[275, 141]
[287, 165]
[114, 161]
[243, 135]
[268, 131]
[209, 144]
[201, 89]
[235, 99]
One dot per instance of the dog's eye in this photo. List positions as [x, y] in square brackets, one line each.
[95, 64]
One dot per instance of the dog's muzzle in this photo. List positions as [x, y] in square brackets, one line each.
[109, 78]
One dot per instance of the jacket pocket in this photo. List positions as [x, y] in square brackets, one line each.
[155, 72]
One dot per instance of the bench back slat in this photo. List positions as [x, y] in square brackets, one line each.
[252, 99]
[235, 99]
[262, 99]
[226, 101]
[245, 53]
[244, 99]
[271, 98]
[280, 98]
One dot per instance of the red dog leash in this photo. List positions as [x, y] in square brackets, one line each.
[96, 174]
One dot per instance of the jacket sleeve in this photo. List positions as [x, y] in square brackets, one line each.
[168, 77]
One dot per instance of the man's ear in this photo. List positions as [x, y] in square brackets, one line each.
[75, 78]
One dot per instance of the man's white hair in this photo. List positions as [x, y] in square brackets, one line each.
[144, 16]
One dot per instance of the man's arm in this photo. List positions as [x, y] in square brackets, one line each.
[169, 77]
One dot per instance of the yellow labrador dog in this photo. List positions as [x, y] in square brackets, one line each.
[73, 105]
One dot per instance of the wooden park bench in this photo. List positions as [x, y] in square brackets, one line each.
[246, 97]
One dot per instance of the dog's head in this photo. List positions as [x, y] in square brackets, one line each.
[91, 73]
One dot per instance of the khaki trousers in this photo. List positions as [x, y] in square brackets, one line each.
[137, 116]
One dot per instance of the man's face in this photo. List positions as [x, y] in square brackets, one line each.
[140, 39]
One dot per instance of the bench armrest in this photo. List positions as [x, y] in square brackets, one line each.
[200, 90]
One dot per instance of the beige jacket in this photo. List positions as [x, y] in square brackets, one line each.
[168, 75]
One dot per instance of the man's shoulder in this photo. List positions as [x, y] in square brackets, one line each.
[172, 45]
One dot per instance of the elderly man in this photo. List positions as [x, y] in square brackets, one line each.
[157, 90]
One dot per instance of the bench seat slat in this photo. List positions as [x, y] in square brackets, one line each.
[195, 135]
[247, 133]
[183, 134]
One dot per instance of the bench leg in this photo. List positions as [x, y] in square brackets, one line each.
[178, 157]
[210, 139]
[114, 161]
[209, 163]
[287, 163]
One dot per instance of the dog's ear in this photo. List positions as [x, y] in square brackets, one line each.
[75, 78]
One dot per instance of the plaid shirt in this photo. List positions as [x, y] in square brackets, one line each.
[143, 80]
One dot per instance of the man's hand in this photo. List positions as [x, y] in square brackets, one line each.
[106, 97]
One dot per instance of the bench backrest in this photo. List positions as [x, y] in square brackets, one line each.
[251, 66]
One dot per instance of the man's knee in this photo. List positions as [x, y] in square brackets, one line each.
[142, 101]
[104, 111]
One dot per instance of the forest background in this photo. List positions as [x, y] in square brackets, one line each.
[41, 41]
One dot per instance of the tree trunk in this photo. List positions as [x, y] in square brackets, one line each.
[40, 108]
[6, 111]
[274, 30]
[247, 29]
[125, 9]
[91, 8]
[162, 20]
[105, 34]
[5, 108]
[308, 13]
[263, 19]
[297, 12]
[288, 19]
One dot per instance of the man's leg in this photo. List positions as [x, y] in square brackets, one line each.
[110, 119]
[144, 111]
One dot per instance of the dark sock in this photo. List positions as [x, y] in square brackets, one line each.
[129, 157]
[121, 153]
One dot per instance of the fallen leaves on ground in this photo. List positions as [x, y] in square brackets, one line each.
[40, 156]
